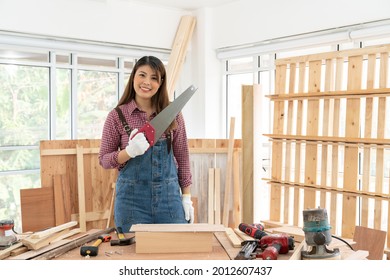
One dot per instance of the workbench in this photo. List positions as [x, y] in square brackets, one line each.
[108, 252]
[222, 249]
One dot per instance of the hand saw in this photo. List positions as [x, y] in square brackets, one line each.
[156, 127]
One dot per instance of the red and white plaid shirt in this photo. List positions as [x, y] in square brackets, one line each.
[114, 136]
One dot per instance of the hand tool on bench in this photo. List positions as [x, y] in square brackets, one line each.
[122, 240]
[92, 250]
[248, 250]
[157, 126]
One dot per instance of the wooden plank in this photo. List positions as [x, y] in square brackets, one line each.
[344, 141]
[7, 251]
[179, 50]
[352, 129]
[288, 163]
[243, 236]
[336, 94]
[217, 196]
[228, 178]
[297, 174]
[367, 134]
[50, 231]
[62, 202]
[31, 254]
[329, 84]
[379, 176]
[312, 129]
[211, 198]
[237, 202]
[233, 238]
[69, 244]
[296, 256]
[247, 98]
[372, 240]
[37, 207]
[80, 188]
[277, 148]
[335, 148]
[36, 244]
[111, 209]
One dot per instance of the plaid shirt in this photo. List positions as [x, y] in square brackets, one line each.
[114, 137]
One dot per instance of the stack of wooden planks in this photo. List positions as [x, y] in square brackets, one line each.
[49, 243]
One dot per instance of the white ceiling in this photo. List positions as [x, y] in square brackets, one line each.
[187, 4]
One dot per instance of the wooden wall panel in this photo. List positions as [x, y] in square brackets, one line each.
[59, 158]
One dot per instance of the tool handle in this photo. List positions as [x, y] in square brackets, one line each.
[97, 242]
[120, 233]
[149, 132]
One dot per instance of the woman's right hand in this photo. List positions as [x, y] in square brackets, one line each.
[137, 144]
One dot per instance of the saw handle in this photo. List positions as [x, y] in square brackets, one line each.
[149, 133]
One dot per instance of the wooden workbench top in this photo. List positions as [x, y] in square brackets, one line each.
[108, 252]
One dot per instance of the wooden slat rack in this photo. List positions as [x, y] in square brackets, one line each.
[331, 139]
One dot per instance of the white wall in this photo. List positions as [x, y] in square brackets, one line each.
[248, 21]
[115, 21]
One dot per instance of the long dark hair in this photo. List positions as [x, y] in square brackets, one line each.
[161, 99]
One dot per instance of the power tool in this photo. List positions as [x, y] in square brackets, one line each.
[270, 245]
[254, 230]
[7, 233]
[317, 235]
[275, 244]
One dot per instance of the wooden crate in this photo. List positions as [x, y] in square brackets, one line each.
[323, 127]
[174, 238]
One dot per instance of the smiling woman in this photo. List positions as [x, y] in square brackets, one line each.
[154, 180]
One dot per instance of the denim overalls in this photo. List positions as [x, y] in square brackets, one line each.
[148, 191]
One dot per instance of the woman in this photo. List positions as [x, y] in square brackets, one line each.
[154, 183]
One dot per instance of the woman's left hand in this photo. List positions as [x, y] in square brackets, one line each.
[188, 208]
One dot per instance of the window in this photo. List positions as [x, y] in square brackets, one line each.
[48, 94]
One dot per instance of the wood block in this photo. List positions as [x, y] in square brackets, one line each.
[174, 238]
[372, 240]
[37, 207]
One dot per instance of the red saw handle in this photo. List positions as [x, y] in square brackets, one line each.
[149, 132]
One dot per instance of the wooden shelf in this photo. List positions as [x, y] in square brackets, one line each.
[332, 94]
[329, 139]
[358, 193]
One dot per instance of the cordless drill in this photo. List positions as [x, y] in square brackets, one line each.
[254, 230]
[275, 244]
[271, 245]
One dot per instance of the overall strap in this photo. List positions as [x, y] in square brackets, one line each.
[123, 121]
[169, 141]
[128, 129]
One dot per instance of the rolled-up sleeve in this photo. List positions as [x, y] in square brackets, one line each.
[110, 143]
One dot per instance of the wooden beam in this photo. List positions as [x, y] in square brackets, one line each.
[228, 180]
[179, 50]
[247, 96]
